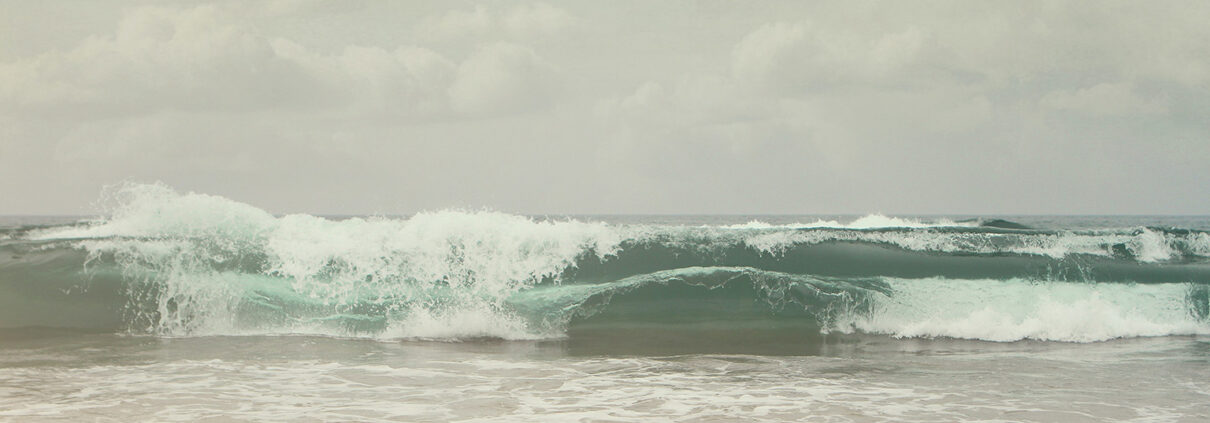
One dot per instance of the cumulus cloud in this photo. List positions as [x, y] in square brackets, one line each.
[459, 23]
[912, 72]
[538, 19]
[796, 107]
[795, 56]
[191, 59]
[771, 49]
[796, 83]
[405, 82]
[899, 103]
[697, 132]
[520, 22]
[1105, 99]
[209, 59]
[500, 78]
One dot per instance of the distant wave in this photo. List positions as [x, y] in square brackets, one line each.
[873, 221]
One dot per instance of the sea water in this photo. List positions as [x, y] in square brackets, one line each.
[184, 306]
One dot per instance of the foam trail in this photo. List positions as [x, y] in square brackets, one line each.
[995, 310]
[871, 221]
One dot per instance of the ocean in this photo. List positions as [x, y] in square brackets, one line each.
[185, 307]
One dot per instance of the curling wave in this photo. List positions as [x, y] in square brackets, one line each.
[176, 264]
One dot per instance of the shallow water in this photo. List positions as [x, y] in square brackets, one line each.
[68, 376]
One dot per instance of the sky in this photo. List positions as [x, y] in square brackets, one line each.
[614, 107]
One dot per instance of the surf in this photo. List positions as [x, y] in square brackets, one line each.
[166, 263]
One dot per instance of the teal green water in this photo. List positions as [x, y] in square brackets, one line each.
[223, 268]
[190, 307]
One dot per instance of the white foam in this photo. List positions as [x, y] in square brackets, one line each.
[462, 323]
[1145, 245]
[870, 221]
[155, 210]
[345, 381]
[995, 310]
[1150, 246]
[449, 273]
[1198, 244]
[472, 260]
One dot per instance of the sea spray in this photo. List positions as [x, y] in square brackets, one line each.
[188, 264]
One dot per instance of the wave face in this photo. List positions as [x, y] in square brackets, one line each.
[175, 264]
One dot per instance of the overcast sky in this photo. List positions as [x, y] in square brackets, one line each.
[612, 106]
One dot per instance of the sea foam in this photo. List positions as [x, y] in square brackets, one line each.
[1011, 310]
[198, 264]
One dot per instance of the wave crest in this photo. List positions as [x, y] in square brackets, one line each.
[196, 264]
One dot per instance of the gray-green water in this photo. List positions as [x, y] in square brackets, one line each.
[104, 377]
[191, 307]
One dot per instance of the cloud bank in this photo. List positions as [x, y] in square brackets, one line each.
[950, 107]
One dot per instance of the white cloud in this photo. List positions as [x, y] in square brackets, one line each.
[524, 22]
[790, 107]
[772, 53]
[502, 78]
[797, 56]
[800, 84]
[537, 20]
[712, 119]
[1106, 99]
[210, 59]
[459, 23]
[406, 82]
[193, 59]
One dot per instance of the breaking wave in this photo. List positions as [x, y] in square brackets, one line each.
[174, 264]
